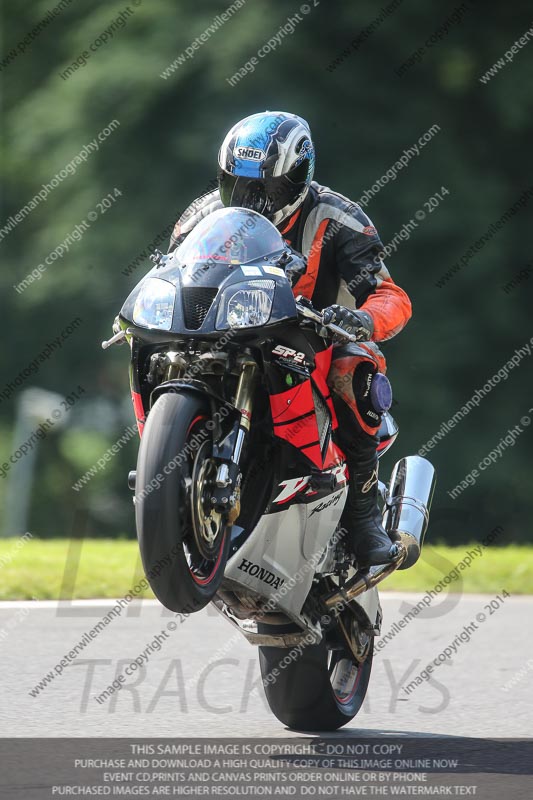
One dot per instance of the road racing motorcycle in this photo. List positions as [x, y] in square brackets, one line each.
[240, 482]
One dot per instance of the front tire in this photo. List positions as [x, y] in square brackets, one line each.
[184, 544]
[320, 690]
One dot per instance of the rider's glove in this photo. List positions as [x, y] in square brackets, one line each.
[357, 323]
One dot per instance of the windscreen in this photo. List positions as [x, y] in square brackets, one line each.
[229, 236]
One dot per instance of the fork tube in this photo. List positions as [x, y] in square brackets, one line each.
[243, 403]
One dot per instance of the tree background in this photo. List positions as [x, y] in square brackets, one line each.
[163, 155]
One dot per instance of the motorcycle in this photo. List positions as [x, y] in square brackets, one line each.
[240, 482]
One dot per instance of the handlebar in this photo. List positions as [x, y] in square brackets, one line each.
[304, 307]
[308, 311]
[118, 338]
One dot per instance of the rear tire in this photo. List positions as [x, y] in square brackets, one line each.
[319, 690]
[183, 549]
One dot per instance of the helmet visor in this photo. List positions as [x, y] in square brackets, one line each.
[264, 195]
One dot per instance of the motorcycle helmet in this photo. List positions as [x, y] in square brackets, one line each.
[266, 163]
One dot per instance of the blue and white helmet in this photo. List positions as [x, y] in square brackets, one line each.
[266, 163]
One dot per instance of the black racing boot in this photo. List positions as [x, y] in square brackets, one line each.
[361, 517]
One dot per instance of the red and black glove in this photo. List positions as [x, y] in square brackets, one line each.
[356, 323]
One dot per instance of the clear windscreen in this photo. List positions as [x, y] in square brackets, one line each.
[229, 236]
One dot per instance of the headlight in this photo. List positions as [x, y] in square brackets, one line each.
[248, 307]
[154, 306]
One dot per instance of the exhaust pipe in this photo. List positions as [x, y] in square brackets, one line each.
[406, 514]
[405, 518]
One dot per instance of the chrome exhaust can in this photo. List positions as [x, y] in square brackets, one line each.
[407, 505]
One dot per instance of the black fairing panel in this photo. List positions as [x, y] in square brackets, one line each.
[208, 285]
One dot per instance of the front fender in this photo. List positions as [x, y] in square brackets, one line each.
[182, 386]
[195, 386]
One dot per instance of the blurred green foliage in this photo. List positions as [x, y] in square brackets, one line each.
[163, 154]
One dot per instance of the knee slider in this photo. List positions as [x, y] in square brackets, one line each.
[381, 392]
[373, 393]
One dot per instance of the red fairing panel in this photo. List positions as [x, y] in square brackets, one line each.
[319, 375]
[293, 415]
[139, 410]
[323, 360]
[334, 456]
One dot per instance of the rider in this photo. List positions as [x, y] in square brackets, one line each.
[266, 163]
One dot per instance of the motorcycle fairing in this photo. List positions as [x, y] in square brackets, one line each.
[320, 374]
[278, 561]
[304, 415]
[285, 544]
[138, 409]
[294, 419]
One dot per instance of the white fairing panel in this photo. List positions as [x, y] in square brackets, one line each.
[278, 559]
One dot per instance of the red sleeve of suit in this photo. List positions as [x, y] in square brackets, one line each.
[390, 309]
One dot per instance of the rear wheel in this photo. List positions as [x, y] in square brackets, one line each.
[184, 543]
[321, 689]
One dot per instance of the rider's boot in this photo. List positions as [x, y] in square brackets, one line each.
[361, 517]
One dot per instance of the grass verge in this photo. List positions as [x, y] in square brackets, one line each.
[71, 569]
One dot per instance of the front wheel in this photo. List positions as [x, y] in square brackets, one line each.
[316, 689]
[184, 543]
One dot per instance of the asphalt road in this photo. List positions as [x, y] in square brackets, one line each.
[204, 680]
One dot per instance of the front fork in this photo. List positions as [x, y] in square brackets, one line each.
[225, 494]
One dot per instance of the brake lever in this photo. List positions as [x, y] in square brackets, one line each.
[308, 311]
[341, 333]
